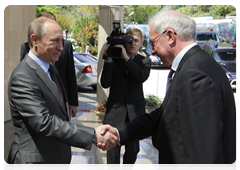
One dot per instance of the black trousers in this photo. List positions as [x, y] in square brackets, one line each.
[130, 155]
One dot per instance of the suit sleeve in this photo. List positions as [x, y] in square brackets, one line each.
[140, 128]
[27, 97]
[200, 114]
[71, 78]
[141, 74]
[106, 77]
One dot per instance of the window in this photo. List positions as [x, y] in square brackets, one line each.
[227, 55]
[206, 37]
[211, 53]
[83, 58]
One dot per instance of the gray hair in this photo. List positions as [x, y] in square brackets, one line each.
[183, 25]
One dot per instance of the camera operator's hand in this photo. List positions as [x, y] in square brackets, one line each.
[124, 52]
[105, 52]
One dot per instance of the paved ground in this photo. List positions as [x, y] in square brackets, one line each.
[156, 84]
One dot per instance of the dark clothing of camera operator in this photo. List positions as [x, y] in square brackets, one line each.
[125, 78]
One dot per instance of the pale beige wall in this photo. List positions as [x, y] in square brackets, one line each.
[16, 21]
[107, 14]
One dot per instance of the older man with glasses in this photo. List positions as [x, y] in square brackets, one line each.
[196, 123]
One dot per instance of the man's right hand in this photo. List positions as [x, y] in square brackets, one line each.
[124, 52]
[107, 137]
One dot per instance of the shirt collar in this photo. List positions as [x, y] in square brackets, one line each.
[134, 56]
[180, 55]
[43, 64]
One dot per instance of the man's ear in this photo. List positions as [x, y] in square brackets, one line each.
[170, 36]
[34, 40]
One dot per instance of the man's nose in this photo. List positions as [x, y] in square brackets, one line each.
[60, 46]
[153, 52]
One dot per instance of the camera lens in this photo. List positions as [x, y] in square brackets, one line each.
[116, 25]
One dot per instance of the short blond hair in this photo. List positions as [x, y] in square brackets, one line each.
[134, 31]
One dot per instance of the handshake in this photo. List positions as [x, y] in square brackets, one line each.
[106, 137]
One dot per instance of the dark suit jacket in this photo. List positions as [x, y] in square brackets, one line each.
[43, 133]
[66, 70]
[197, 121]
[125, 80]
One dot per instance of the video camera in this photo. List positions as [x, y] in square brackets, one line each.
[117, 37]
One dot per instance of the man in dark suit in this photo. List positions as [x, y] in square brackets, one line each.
[196, 123]
[87, 50]
[39, 106]
[65, 67]
[125, 77]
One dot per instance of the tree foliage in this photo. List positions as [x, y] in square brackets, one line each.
[86, 32]
[141, 12]
[54, 9]
[81, 20]
[65, 21]
[217, 11]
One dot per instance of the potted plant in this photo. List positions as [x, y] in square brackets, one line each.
[100, 110]
[152, 102]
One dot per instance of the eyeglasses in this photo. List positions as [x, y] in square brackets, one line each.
[151, 42]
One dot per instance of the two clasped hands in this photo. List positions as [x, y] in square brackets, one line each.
[106, 137]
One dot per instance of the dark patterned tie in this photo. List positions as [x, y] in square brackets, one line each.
[169, 78]
[56, 82]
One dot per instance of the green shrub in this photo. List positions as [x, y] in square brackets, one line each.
[152, 100]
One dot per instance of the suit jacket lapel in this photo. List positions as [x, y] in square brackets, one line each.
[136, 59]
[44, 77]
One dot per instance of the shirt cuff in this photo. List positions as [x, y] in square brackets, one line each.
[118, 137]
[108, 61]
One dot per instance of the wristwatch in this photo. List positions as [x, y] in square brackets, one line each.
[94, 137]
